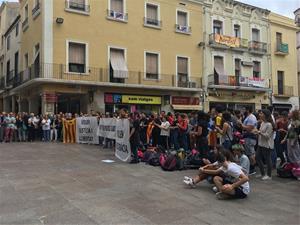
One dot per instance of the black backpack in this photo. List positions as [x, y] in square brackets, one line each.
[154, 159]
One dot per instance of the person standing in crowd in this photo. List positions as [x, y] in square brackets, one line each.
[156, 131]
[282, 128]
[249, 127]
[212, 136]
[193, 124]
[36, 127]
[226, 131]
[53, 127]
[46, 128]
[31, 136]
[135, 137]
[174, 132]
[2, 126]
[201, 134]
[143, 127]
[20, 128]
[10, 128]
[292, 138]
[182, 131]
[265, 144]
[164, 132]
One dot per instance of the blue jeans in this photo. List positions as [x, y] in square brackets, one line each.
[46, 135]
[174, 139]
[183, 141]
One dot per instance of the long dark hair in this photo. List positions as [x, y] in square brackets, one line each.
[268, 117]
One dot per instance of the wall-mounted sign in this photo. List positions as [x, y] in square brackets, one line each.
[178, 100]
[135, 99]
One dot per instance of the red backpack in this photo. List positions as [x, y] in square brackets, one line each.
[168, 162]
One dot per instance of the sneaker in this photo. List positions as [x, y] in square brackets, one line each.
[215, 189]
[266, 178]
[222, 196]
[187, 178]
[189, 183]
[258, 176]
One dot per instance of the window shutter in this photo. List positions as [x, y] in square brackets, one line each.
[117, 6]
[151, 63]
[152, 12]
[219, 65]
[182, 18]
[76, 53]
[182, 65]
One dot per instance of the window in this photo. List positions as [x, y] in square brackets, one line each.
[237, 30]
[218, 69]
[218, 27]
[118, 65]
[77, 58]
[152, 66]
[278, 40]
[26, 61]
[117, 10]
[255, 35]
[182, 71]
[182, 24]
[8, 43]
[77, 4]
[17, 29]
[237, 70]
[152, 15]
[280, 77]
[256, 69]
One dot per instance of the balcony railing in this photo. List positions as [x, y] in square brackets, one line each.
[216, 80]
[36, 9]
[101, 76]
[282, 48]
[73, 5]
[121, 16]
[183, 29]
[258, 47]
[25, 24]
[228, 41]
[152, 22]
[284, 91]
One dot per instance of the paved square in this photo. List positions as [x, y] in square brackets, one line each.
[68, 184]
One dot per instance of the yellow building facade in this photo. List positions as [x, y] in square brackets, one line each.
[90, 55]
[284, 63]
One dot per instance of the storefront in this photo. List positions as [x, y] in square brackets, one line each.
[186, 104]
[132, 103]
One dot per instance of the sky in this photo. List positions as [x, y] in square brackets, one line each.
[283, 7]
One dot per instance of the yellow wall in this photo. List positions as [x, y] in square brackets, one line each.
[100, 33]
[286, 63]
[32, 36]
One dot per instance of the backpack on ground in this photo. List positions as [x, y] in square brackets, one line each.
[285, 171]
[154, 159]
[296, 172]
[168, 162]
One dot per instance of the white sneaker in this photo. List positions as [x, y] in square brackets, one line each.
[266, 178]
[258, 176]
[215, 189]
[189, 182]
[187, 178]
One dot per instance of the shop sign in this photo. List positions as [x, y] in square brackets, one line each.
[177, 100]
[135, 99]
[112, 98]
[50, 97]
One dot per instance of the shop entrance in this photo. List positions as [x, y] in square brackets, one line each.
[68, 103]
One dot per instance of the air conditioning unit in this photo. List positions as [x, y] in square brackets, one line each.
[192, 84]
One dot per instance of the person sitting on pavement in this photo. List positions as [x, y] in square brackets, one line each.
[235, 187]
[240, 157]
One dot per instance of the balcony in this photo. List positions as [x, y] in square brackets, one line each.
[36, 10]
[25, 24]
[152, 22]
[226, 42]
[74, 6]
[258, 48]
[283, 91]
[282, 49]
[183, 29]
[117, 16]
[57, 73]
[235, 83]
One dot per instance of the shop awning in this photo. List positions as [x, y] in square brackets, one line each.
[282, 106]
[118, 64]
[186, 107]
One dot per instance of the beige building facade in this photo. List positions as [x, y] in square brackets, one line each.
[81, 56]
[236, 61]
[284, 63]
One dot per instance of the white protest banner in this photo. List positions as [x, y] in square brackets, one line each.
[86, 130]
[107, 128]
[123, 151]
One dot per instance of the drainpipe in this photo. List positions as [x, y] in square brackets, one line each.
[204, 80]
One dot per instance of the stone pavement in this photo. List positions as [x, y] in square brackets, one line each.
[68, 184]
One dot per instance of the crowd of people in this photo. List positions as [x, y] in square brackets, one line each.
[241, 140]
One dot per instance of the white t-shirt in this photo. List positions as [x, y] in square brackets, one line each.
[233, 170]
[46, 124]
[166, 130]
